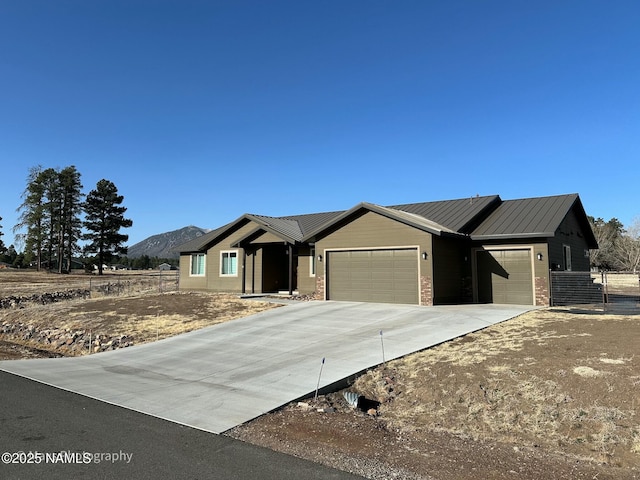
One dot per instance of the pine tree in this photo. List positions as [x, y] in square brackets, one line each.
[103, 221]
[32, 217]
[70, 223]
[51, 211]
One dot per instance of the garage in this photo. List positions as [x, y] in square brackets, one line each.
[505, 276]
[380, 275]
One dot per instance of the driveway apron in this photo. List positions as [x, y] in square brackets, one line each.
[222, 376]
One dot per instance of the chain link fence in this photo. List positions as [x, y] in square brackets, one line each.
[19, 289]
[128, 284]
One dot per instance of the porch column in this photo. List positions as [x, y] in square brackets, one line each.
[290, 269]
[253, 272]
[244, 271]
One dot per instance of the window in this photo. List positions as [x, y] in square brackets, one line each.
[312, 263]
[229, 263]
[566, 250]
[197, 264]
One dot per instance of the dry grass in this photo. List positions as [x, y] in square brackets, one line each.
[620, 280]
[145, 318]
[27, 282]
[534, 380]
[129, 282]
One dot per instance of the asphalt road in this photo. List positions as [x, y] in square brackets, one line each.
[54, 427]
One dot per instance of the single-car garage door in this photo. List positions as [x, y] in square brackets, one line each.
[387, 276]
[504, 276]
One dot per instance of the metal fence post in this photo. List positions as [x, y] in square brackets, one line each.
[604, 301]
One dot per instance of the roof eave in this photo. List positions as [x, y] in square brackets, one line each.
[510, 236]
[262, 228]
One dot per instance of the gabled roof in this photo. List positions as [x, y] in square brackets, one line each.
[407, 218]
[291, 229]
[532, 217]
[288, 230]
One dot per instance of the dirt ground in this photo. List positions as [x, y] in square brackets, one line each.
[554, 393]
[551, 394]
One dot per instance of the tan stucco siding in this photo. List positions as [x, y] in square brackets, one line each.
[372, 230]
[267, 237]
[187, 281]
[306, 282]
[212, 280]
[215, 281]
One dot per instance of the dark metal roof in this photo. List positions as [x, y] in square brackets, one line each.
[311, 221]
[458, 215]
[413, 219]
[531, 217]
[483, 218]
[287, 229]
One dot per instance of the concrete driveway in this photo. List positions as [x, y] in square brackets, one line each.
[222, 376]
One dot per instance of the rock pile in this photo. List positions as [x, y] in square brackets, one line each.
[307, 297]
[19, 301]
[73, 342]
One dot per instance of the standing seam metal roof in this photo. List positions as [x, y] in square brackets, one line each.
[456, 215]
[288, 228]
[529, 217]
[310, 221]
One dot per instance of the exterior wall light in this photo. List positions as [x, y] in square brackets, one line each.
[540, 256]
[319, 258]
[424, 255]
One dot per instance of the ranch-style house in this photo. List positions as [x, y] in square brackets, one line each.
[473, 250]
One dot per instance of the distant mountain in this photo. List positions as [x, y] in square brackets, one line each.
[162, 244]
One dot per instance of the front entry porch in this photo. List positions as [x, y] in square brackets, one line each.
[269, 268]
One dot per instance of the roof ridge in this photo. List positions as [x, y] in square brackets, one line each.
[444, 201]
[561, 195]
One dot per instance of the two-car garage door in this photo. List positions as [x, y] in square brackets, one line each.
[392, 276]
[386, 276]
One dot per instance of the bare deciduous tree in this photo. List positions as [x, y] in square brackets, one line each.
[627, 249]
[607, 234]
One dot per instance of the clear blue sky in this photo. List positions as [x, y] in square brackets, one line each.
[200, 111]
